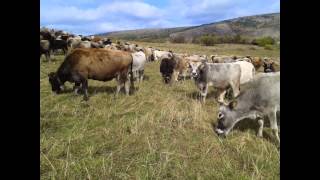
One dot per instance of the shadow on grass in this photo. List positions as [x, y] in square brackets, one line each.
[146, 78]
[93, 90]
[196, 95]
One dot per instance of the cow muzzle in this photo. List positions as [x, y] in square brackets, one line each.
[220, 133]
[267, 70]
[194, 74]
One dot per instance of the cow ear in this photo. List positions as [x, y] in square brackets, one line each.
[233, 104]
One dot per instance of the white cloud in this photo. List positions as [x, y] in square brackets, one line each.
[95, 16]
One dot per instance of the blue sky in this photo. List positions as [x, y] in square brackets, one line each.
[98, 16]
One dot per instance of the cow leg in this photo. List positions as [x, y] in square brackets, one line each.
[76, 87]
[260, 121]
[184, 74]
[222, 93]
[52, 52]
[175, 75]
[119, 84]
[127, 84]
[236, 89]
[141, 73]
[273, 123]
[84, 83]
[137, 76]
[203, 93]
[130, 77]
[48, 56]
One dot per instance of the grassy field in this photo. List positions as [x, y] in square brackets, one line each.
[220, 49]
[160, 132]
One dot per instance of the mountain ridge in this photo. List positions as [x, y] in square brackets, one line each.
[250, 26]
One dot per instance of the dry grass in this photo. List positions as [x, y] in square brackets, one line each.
[160, 132]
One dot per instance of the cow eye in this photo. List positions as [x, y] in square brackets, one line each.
[220, 115]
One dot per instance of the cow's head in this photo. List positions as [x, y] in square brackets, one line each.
[194, 67]
[56, 85]
[268, 66]
[226, 118]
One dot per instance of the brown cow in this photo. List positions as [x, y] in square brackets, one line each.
[181, 68]
[172, 66]
[257, 62]
[97, 64]
[96, 39]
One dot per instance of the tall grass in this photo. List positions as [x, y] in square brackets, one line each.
[160, 132]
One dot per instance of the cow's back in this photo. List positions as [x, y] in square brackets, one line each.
[139, 60]
[221, 74]
[261, 93]
[247, 71]
[98, 64]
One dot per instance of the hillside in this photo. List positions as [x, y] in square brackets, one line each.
[145, 33]
[249, 26]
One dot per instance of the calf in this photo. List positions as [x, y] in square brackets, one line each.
[259, 98]
[97, 64]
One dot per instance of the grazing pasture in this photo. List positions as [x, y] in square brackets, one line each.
[159, 132]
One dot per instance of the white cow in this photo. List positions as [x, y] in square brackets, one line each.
[157, 54]
[247, 71]
[139, 61]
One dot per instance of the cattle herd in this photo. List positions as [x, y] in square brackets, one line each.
[254, 95]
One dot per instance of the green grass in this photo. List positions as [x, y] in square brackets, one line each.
[160, 132]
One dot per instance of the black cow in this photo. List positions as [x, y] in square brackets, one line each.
[166, 68]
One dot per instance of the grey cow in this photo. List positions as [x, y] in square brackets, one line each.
[259, 98]
[219, 75]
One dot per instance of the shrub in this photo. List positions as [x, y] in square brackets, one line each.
[177, 39]
[264, 41]
[208, 40]
[268, 47]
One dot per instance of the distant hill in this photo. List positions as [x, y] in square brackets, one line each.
[155, 33]
[248, 26]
